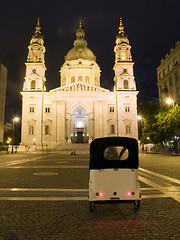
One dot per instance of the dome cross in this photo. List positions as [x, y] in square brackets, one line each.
[121, 28]
[38, 29]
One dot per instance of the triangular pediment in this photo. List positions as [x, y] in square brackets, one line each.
[79, 86]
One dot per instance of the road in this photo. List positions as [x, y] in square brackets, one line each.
[44, 195]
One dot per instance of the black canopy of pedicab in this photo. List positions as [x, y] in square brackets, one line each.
[98, 145]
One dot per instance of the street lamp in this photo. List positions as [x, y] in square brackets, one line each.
[8, 141]
[170, 101]
[139, 117]
[15, 120]
[140, 126]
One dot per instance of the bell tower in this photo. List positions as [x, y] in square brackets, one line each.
[35, 65]
[123, 67]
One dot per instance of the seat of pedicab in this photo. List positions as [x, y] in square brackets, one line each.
[98, 160]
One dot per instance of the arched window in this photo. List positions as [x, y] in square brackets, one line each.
[63, 80]
[80, 78]
[126, 84]
[112, 129]
[47, 130]
[31, 130]
[72, 79]
[96, 81]
[128, 129]
[87, 79]
[123, 54]
[33, 84]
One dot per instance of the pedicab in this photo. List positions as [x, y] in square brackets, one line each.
[113, 170]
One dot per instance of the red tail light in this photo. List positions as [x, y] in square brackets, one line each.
[130, 193]
[99, 194]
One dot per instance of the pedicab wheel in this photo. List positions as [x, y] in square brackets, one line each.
[136, 204]
[91, 206]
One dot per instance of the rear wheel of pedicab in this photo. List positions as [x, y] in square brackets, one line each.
[91, 206]
[136, 205]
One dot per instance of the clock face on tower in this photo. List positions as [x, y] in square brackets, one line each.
[123, 54]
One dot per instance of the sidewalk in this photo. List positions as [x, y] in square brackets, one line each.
[160, 152]
[18, 155]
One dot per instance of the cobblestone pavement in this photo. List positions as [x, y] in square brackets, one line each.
[157, 219]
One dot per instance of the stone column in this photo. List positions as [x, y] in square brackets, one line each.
[61, 125]
[68, 127]
[90, 127]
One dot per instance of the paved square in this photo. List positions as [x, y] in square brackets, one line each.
[45, 197]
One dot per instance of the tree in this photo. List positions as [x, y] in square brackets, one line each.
[148, 112]
[160, 123]
[167, 123]
[9, 134]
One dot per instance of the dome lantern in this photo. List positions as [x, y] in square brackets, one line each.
[80, 36]
[37, 32]
[80, 49]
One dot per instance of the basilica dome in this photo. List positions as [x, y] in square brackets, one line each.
[80, 49]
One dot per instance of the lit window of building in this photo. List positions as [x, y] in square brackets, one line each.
[47, 109]
[31, 109]
[127, 109]
[112, 129]
[47, 130]
[111, 109]
[33, 84]
[128, 129]
[31, 130]
[72, 79]
[87, 79]
[80, 78]
[126, 84]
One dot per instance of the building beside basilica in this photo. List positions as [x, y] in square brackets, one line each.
[168, 75]
[80, 109]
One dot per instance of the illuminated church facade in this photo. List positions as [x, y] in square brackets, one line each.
[79, 110]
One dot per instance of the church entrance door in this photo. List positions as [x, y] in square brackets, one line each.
[79, 124]
[80, 137]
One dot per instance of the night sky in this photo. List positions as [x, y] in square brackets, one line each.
[152, 27]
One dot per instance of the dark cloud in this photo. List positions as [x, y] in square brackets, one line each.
[60, 31]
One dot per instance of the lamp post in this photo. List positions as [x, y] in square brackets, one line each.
[170, 101]
[140, 126]
[15, 120]
[9, 142]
